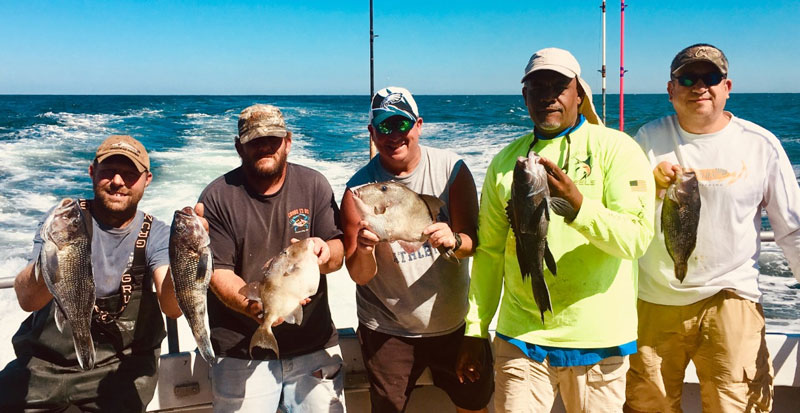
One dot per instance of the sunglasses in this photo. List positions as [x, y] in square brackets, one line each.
[390, 125]
[709, 79]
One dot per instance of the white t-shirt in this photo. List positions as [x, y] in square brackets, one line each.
[740, 169]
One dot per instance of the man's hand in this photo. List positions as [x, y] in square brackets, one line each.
[367, 239]
[664, 174]
[199, 209]
[321, 249]
[440, 235]
[561, 186]
[468, 361]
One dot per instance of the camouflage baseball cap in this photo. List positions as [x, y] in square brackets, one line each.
[700, 52]
[126, 146]
[261, 120]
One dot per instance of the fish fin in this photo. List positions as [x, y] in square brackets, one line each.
[548, 259]
[510, 214]
[264, 338]
[50, 265]
[434, 204]
[409, 246]
[37, 270]
[251, 291]
[292, 268]
[448, 254]
[531, 224]
[295, 317]
[563, 208]
[541, 295]
[61, 318]
[680, 270]
[204, 268]
[203, 340]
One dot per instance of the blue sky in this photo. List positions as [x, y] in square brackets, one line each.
[322, 47]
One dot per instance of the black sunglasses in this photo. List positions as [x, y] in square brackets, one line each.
[709, 79]
[395, 123]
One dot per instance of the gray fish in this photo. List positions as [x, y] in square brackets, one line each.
[529, 216]
[395, 213]
[191, 269]
[289, 277]
[680, 215]
[65, 263]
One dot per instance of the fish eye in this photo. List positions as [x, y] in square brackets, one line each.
[384, 188]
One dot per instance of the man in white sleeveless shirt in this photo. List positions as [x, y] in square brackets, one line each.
[411, 305]
[713, 316]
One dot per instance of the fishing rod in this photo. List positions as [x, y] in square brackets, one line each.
[372, 36]
[622, 65]
[603, 69]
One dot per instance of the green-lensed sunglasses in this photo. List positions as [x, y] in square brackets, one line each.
[395, 123]
[709, 79]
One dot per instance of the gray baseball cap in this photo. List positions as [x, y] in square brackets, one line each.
[261, 120]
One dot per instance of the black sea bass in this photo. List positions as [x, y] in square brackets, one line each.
[680, 215]
[529, 215]
[191, 270]
[65, 263]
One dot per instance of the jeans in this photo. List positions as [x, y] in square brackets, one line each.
[311, 382]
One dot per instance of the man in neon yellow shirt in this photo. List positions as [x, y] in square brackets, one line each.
[582, 347]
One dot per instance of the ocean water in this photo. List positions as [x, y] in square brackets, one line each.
[47, 143]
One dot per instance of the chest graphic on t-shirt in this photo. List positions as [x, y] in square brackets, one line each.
[300, 220]
[719, 176]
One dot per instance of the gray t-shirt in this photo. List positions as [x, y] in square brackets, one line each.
[112, 251]
[418, 294]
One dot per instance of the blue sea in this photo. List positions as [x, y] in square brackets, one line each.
[47, 143]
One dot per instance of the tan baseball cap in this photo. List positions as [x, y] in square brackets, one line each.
[261, 120]
[563, 62]
[700, 52]
[124, 145]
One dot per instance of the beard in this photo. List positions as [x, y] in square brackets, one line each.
[122, 207]
[261, 168]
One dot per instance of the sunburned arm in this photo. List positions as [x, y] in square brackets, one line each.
[226, 285]
[463, 213]
[359, 243]
[165, 290]
[335, 256]
[32, 295]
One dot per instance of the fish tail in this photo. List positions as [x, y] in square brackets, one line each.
[84, 347]
[541, 295]
[264, 338]
[204, 344]
[680, 270]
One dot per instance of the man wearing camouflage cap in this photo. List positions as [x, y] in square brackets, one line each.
[130, 270]
[713, 316]
[254, 212]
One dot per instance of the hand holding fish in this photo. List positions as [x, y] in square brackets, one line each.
[199, 208]
[664, 174]
[366, 238]
[561, 186]
[321, 249]
[440, 235]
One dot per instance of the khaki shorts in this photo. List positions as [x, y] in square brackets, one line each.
[525, 385]
[722, 335]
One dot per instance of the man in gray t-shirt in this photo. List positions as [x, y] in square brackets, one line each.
[129, 256]
[411, 305]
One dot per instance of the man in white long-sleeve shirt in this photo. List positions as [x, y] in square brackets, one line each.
[713, 317]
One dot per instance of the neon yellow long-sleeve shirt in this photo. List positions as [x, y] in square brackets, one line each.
[594, 294]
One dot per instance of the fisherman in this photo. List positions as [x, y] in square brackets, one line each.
[254, 212]
[411, 304]
[713, 317]
[602, 178]
[129, 257]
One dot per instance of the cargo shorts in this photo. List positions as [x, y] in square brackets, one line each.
[723, 336]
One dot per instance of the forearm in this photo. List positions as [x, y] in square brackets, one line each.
[32, 294]
[226, 285]
[362, 266]
[334, 263]
[165, 290]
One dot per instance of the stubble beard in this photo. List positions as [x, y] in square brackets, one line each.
[265, 173]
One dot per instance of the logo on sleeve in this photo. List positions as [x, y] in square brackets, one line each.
[300, 220]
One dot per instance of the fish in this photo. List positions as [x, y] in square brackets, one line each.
[190, 263]
[395, 213]
[680, 215]
[65, 263]
[529, 215]
[288, 278]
